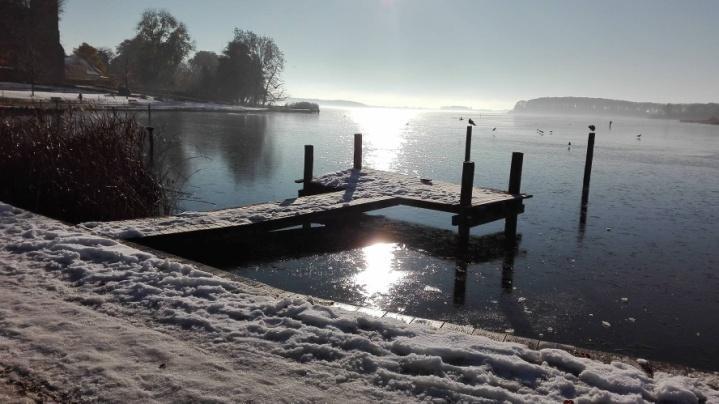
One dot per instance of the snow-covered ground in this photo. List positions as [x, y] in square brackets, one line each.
[85, 317]
[87, 98]
[47, 94]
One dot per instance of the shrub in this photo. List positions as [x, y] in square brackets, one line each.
[77, 166]
[310, 106]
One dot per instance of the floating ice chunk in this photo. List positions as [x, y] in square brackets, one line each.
[432, 289]
[624, 299]
[521, 299]
[631, 319]
[606, 324]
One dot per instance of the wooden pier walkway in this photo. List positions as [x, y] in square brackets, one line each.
[337, 195]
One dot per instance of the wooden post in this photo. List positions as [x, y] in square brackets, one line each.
[588, 169]
[468, 143]
[515, 180]
[151, 138]
[58, 117]
[309, 163]
[465, 202]
[358, 152]
[465, 197]
[149, 115]
[515, 173]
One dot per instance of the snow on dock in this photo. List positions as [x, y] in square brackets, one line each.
[348, 191]
[411, 190]
[88, 318]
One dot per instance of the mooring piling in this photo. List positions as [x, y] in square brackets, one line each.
[465, 202]
[151, 138]
[515, 173]
[468, 143]
[465, 196]
[588, 169]
[515, 181]
[309, 164]
[149, 114]
[358, 152]
[58, 116]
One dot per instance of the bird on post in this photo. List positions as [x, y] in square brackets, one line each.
[592, 127]
[471, 122]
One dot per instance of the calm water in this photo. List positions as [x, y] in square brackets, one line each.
[646, 262]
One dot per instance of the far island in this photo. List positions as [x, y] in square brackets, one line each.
[456, 108]
[702, 113]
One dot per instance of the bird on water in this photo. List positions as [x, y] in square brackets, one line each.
[471, 122]
[592, 127]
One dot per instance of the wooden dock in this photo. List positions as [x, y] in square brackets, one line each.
[340, 195]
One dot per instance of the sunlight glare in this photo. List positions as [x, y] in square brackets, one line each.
[379, 274]
[384, 133]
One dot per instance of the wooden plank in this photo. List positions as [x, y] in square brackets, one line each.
[283, 220]
[488, 213]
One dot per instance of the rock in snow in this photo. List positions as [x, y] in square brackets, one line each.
[85, 317]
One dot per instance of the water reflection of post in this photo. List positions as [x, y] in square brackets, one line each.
[508, 269]
[460, 280]
[582, 222]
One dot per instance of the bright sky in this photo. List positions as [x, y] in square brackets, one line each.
[432, 53]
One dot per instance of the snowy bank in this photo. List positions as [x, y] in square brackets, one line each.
[85, 317]
[112, 100]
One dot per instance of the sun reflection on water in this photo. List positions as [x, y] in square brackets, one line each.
[379, 273]
[384, 132]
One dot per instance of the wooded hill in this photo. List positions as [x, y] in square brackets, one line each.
[603, 106]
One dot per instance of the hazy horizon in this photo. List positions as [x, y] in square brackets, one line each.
[483, 55]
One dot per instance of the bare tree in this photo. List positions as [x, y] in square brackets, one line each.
[157, 50]
[272, 62]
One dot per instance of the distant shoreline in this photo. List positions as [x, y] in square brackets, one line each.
[22, 106]
[711, 121]
[694, 112]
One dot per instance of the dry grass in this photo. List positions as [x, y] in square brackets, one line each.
[78, 166]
